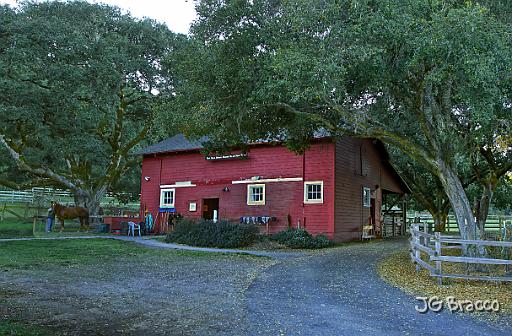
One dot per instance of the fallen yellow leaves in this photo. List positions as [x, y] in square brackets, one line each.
[399, 271]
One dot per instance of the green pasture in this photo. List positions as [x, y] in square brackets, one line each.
[20, 228]
[13, 328]
[16, 221]
[40, 254]
[15, 228]
[37, 255]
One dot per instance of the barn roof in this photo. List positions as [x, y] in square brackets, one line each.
[180, 143]
[176, 143]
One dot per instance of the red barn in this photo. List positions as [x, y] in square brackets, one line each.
[335, 188]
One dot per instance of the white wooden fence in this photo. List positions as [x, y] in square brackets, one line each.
[29, 196]
[427, 248]
[43, 196]
[493, 224]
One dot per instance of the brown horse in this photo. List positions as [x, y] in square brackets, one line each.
[63, 212]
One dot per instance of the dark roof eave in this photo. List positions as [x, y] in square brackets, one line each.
[171, 151]
[196, 149]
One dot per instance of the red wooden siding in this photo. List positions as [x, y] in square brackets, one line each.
[344, 166]
[267, 162]
[359, 164]
[150, 190]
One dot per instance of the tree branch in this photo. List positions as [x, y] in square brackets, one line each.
[38, 171]
[26, 185]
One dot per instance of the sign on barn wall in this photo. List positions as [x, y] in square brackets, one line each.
[227, 157]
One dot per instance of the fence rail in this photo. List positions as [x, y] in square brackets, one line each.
[38, 195]
[30, 196]
[432, 245]
[493, 223]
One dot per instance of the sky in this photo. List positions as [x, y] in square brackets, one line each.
[177, 14]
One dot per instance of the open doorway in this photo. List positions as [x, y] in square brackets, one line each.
[372, 213]
[210, 206]
[394, 212]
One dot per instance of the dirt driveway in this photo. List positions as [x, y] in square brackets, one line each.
[340, 293]
[171, 293]
[335, 292]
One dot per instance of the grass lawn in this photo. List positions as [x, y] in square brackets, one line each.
[15, 228]
[69, 252]
[398, 270]
[158, 238]
[11, 328]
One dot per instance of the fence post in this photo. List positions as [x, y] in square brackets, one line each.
[416, 239]
[437, 242]
[26, 211]
[426, 240]
[2, 214]
[505, 237]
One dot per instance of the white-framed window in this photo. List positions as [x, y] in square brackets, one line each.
[167, 197]
[367, 192]
[256, 194]
[314, 192]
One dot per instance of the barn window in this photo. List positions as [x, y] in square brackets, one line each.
[366, 197]
[314, 192]
[256, 194]
[167, 198]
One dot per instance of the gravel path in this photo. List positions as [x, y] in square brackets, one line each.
[174, 293]
[340, 293]
[159, 244]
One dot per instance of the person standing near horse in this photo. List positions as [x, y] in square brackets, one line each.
[50, 219]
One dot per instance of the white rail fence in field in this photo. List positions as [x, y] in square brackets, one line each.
[32, 195]
[494, 222]
[427, 252]
[45, 195]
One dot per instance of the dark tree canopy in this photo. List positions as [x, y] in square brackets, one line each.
[77, 84]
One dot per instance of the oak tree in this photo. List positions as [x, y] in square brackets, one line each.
[431, 78]
[77, 84]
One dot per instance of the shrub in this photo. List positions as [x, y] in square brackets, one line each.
[299, 238]
[210, 234]
[283, 236]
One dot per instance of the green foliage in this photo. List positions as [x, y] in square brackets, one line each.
[223, 234]
[12, 328]
[430, 78]
[272, 68]
[77, 85]
[503, 196]
[301, 239]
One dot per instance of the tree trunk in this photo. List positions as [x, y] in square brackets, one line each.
[81, 196]
[91, 199]
[440, 218]
[461, 207]
[483, 206]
